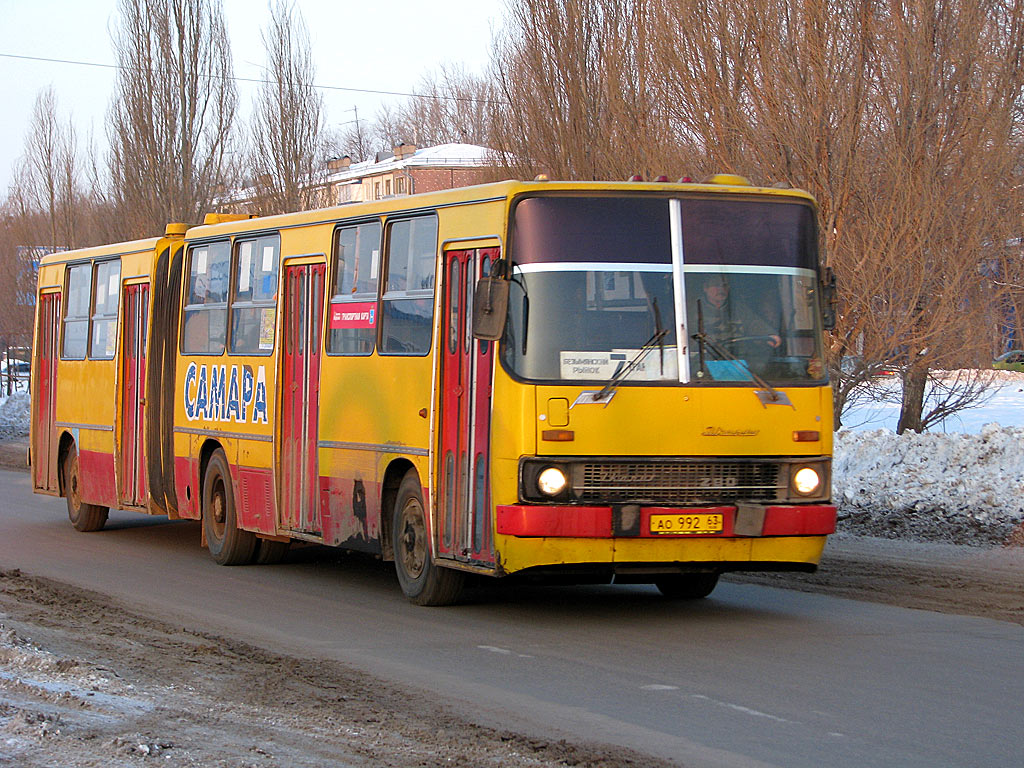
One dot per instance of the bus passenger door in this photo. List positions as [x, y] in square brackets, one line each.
[464, 518]
[132, 469]
[44, 449]
[300, 395]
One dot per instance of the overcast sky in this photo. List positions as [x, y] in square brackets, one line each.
[385, 45]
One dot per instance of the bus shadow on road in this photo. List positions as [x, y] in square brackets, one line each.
[598, 603]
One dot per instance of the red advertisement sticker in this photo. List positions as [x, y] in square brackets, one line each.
[362, 314]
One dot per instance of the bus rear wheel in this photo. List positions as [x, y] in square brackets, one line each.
[687, 586]
[84, 516]
[228, 544]
[422, 581]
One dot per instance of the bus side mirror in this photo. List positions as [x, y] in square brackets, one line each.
[490, 304]
[828, 299]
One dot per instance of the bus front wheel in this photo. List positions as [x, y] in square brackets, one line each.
[84, 516]
[687, 586]
[228, 544]
[423, 582]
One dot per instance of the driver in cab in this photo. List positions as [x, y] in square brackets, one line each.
[727, 321]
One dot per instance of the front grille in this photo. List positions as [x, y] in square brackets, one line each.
[663, 482]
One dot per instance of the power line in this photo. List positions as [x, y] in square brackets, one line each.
[258, 81]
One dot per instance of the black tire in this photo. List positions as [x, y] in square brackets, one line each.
[269, 552]
[687, 586]
[423, 582]
[84, 517]
[228, 544]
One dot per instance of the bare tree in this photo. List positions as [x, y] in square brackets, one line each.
[450, 107]
[353, 138]
[42, 157]
[952, 75]
[578, 95]
[48, 181]
[288, 149]
[69, 192]
[171, 117]
[16, 223]
[47, 208]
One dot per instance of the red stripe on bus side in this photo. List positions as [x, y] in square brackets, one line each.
[96, 474]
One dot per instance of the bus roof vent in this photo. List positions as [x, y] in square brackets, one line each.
[728, 179]
[176, 229]
[221, 218]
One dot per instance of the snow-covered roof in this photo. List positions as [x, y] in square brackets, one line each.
[442, 155]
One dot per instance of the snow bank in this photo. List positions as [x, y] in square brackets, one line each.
[14, 412]
[961, 488]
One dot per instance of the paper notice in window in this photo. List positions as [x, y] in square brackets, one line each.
[244, 266]
[199, 260]
[112, 284]
[373, 264]
[590, 365]
[267, 329]
[268, 258]
[654, 366]
[601, 366]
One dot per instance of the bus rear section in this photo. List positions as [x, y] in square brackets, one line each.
[92, 432]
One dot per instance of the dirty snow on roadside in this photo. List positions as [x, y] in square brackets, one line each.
[962, 486]
[958, 488]
[39, 688]
[99, 686]
[14, 412]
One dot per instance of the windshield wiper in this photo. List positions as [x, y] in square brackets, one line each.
[623, 370]
[526, 303]
[702, 338]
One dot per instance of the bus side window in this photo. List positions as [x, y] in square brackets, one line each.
[76, 314]
[206, 299]
[254, 300]
[352, 323]
[407, 309]
[103, 339]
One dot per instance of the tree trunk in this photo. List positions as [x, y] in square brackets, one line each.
[912, 406]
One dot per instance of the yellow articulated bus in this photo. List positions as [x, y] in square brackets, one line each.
[575, 381]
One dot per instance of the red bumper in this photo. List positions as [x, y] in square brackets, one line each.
[598, 522]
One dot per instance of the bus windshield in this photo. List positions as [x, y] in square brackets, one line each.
[593, 285]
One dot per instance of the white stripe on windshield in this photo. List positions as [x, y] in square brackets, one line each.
[592, 266]
[747, 269]
[609, 266]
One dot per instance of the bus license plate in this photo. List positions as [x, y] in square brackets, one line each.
[681, 525]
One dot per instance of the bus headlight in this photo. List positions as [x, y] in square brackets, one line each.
[806, 481]
[552, 481]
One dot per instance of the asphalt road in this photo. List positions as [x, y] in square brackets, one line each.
[752, 676]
